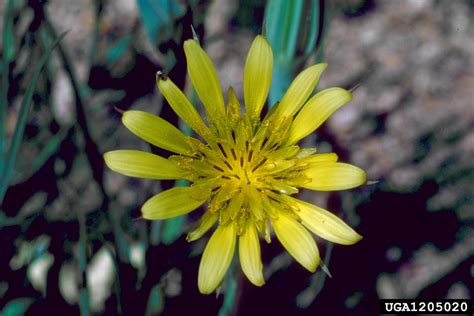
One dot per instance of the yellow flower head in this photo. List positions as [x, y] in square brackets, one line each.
[245, 168]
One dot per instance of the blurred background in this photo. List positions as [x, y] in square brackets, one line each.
[71, 239]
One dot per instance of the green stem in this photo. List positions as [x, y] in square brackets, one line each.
[7, 50]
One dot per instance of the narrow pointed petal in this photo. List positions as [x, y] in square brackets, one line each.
[297, 241]
[216, 258]
[300, 90]
[325, 224]
[316, 111]
[202, 226]
[181, 105]
[140, 164]
[156, 131]
[317, 159]
[204, 78]
[233, 107]
[257, 75]
[334, 177]
[249, 255]
[171, 203]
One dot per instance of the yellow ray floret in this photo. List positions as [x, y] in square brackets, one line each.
[243, 167]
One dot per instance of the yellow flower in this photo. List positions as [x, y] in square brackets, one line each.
[244, 167]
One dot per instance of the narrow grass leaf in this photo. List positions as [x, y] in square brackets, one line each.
[20, 125]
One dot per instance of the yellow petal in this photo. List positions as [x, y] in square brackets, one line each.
[156, 131]
[334, 176]
[233, 107]
[299, 91]
[316, 111]
[140, 164]
[171, 203]
[216, 258]
[257, 75]
[249, 255]
[317, 159]
[297, 241]
[202, 226]
[325, 224]
[204, 78]
[181, 105]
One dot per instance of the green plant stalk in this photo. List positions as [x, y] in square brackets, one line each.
[7, 55]
[120, 241]
[20, 125]
[84, 299]
[230, 295]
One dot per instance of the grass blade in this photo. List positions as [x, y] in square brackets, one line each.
[294, 30]
[8, 52]
[20, 125]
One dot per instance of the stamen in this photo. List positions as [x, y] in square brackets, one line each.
[263, 143]
[259, 165]
[233, 153]
[275, 146]
[228, 165]
[246, 176]
[222, 149]
[226, 177]
[217, 168]
[250, 155]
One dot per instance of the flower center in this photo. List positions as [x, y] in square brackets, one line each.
[244, 168]
[242, 165]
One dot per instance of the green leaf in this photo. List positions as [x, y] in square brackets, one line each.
[115, 52]
[8, 53]
[172, 229]
[120, 238]
[20, 125]
[17, 306]
[229, 297]
[155, 233]
[8, 35]
[158, 18]
[155, 301]
[293, 30]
